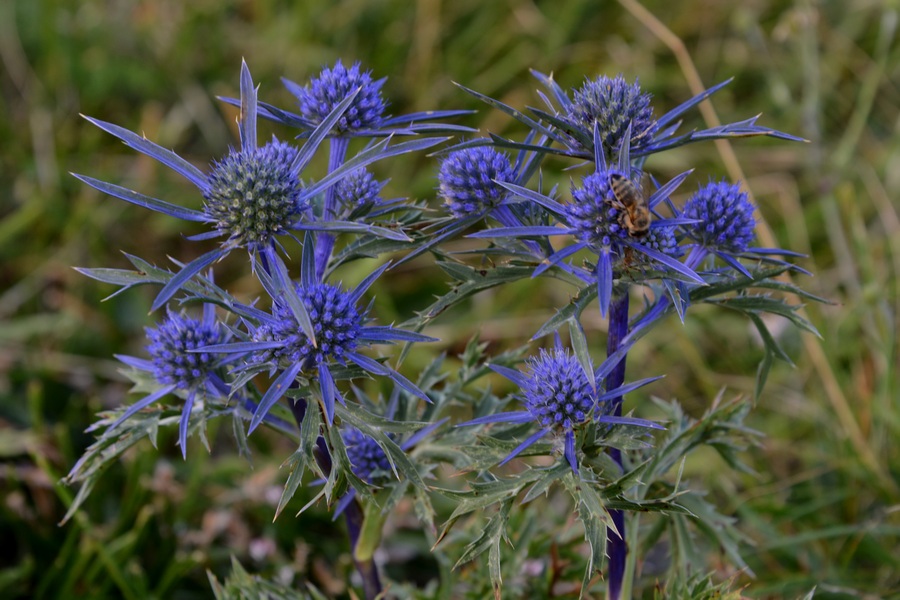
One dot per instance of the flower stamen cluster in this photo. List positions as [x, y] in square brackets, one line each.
[332, 86]
[254, 195]
[558, 393]
[170, 349]
[468, 180]
[725, 216]
[335, 320]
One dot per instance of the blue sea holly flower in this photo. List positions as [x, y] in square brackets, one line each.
[358, 189]
[323, 93]
[280, 339]
[254, 194]
[469, 180]
[600, 223]
[621, 111]
[615, 105]
[471, 184]
[365, 117]
[355, 97]
[368, 460]
[179, 366]
[724, 217]
[561, 396]
[724, 226]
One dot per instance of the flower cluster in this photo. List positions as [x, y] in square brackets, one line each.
[302, 344]
[171, 348]
[358, 189]
[559, 397]
[336, 324]
[180, 365]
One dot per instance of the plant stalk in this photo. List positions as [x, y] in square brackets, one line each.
[616, 546]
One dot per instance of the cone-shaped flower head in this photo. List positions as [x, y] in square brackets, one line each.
[558, 393]
[613, 104]
[725, 217]
[366, 456]
[332, 86]
[255, 194]
[593, 214]
[335, 320]
[559, 397]
[468, 180]
[180, 366]
[170, 349]
[358, 189]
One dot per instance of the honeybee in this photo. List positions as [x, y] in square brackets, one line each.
[630, 201]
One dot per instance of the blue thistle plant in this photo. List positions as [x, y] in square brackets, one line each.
[561, 395]
[365, 116]
[179, 366]
[312, 327]
[359, 189]
[255, 194]
[368, 460]
[724, 226]
[622, 111]
[470, 180]
[724, 216]
[595, 219]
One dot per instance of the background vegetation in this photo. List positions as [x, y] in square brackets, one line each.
[822, 508]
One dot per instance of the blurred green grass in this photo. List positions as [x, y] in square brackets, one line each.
[823, 508]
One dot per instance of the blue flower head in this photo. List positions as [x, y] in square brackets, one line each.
[359, 188]
[251, 196]
[600, 222]
[593, 214]
[557, 391]
[171, 345]
[468, 180]
[614, 104]
[368, 461]
[725, 217]
[325, 92]
[335, 320]
[180, 366]
[312, 326]
[255, 194]
[559, 397]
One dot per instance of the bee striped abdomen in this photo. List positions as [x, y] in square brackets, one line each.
[635, 209]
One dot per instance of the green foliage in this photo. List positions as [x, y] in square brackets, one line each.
[240, 585]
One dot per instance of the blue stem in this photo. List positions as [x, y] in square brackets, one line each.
[325, 241]
[353, 513]
[616, 546]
